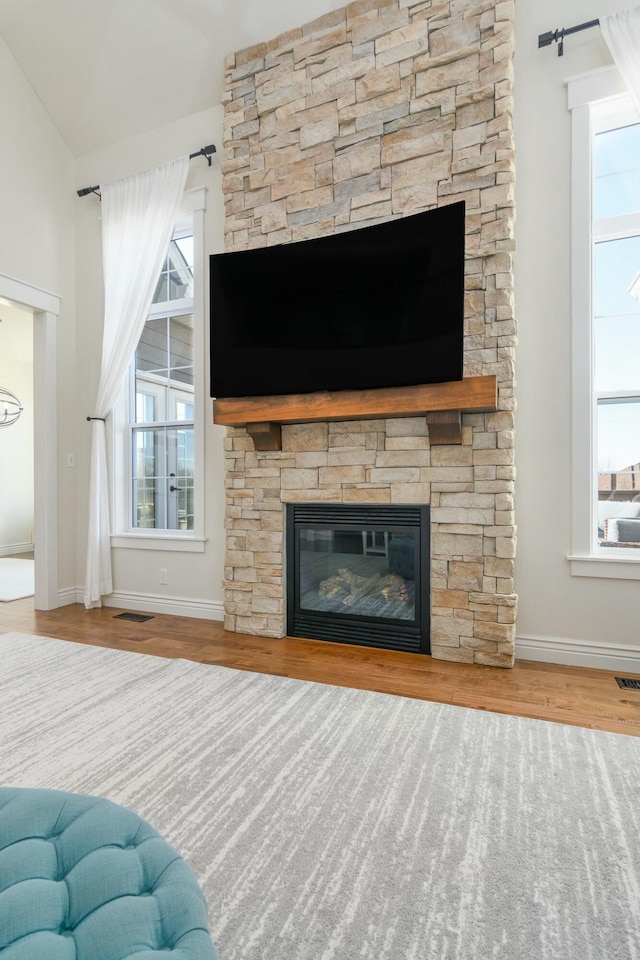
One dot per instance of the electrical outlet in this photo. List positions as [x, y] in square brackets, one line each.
[71, 459]
[164, 575]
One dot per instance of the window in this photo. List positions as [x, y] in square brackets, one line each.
[606, 329]
[616, 322]
[162, 405]
[158, 426]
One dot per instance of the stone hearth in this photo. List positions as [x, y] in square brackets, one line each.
[382, 109]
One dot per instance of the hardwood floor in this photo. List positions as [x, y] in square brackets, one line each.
[571, 695]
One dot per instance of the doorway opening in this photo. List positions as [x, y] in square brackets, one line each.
[39, 310]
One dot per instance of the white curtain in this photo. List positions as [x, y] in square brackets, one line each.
[621, 32]
[138, 218]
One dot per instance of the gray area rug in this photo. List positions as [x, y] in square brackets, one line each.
[332, 824]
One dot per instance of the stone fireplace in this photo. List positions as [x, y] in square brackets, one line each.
[382, 109]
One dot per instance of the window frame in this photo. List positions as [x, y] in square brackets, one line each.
[125, 535]
[586, 95]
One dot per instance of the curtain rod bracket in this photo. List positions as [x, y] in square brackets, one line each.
[206, 152]
[552, 36]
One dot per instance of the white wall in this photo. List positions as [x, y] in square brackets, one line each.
[37, 243]
[562, 618]
[16, 441]
[194, 579]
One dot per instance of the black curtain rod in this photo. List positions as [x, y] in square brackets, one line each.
[557, 36]
[203, 152]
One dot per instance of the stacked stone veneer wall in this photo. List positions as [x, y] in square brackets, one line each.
[382, 109]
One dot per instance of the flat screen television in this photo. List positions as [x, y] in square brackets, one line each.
[377, 306]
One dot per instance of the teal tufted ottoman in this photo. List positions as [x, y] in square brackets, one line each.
[82, 878]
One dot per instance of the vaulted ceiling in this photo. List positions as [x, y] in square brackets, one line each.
[106, 70]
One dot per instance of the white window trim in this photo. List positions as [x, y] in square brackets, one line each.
[193, 541]
[586, 560]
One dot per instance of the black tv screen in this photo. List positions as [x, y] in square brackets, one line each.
[378, 306]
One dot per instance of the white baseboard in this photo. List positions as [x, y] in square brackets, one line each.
[70, 595]
[579, 653]
[7, 551]
[151, 603]
[176, 606]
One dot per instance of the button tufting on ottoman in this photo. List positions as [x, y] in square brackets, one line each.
[82, 878]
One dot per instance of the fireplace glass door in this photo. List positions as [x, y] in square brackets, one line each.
[359, 574]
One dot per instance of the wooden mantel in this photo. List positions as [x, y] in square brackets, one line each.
[441, 403]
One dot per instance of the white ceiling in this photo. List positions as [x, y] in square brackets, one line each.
[106, 70]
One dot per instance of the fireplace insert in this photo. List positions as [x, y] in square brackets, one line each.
[359, 574]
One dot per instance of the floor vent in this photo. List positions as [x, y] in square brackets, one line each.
[137, 617]
[628, 683]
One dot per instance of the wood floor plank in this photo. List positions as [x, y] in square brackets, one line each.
[544, 691]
